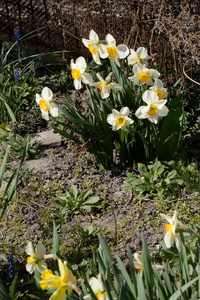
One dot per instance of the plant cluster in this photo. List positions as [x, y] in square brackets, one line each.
[118, 94]
[74, 201]
[154, 181]
[108, 279]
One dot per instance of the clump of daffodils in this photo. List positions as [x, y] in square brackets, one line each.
[121, 95]
[155, 96]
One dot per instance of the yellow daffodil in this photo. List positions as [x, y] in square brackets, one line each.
[138, 56]
[46, 103]
[159, 89]
[171, 234]
[115, 52]
[105, 85]
[36, 259]
[155, 108]
[119, 120]
[97, 286]
[78, 72]
[63, 283]
[143, 75]
[96, 49]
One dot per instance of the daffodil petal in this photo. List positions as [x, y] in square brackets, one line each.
[111, 119]
[53, 110]
[87, 78]
[163, 112]
[41, 266]
[53, 282]
[169, 240]
[38, 98]
[30, 267]
[123, 51]
[29, 249]
[93, 36]
[103, 51]
[59, 294]
[47, 94]
[96, 58]
[153, 119]
[81, 63]
[149, 97]
[178, 242]
[125, 111]
[45, 114]
[77, 84]
[62, 268]
[40, 249]
[96, 285]
[110, 39]
[169, 219]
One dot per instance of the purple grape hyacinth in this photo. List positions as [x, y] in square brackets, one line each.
[11, 265]
[16, 76]
[17, 36]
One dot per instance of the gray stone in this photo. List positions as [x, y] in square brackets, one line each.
[37, 164]
[47, 138]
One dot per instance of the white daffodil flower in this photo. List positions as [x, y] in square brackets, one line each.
[138, 263]
[46, 103]
[97, 286]
[143, 75]
[96, 49]
[171, 234]
[78, 72]
[155, 108]
[37, 257]
[105, 85]
[138, 56]
[115, 52]
[119, 120]
[159, 89]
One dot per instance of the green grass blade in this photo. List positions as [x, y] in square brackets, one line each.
[148, 271]
[141, 288]
[184, 288]
[3, 166]
[125, 275]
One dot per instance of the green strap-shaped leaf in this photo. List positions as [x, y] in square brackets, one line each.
[178, 293]
[170, 132]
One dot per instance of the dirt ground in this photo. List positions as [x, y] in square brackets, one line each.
[58, 166]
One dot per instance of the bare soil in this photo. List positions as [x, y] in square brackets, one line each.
[57, 167]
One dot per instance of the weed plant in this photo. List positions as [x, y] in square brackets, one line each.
[159, 180]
